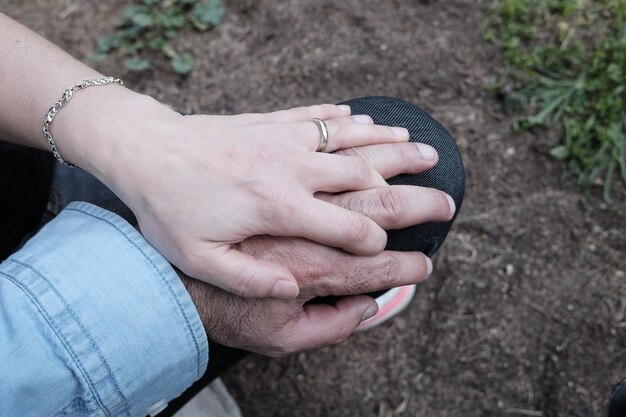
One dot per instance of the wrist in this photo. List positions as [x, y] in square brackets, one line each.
[201, 296]
[102, 125]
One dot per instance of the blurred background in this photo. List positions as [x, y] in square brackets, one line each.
[525, 314]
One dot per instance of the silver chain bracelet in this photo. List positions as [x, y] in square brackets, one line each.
[65, 98]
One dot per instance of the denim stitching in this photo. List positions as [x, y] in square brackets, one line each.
[169, 287]
[33, 298]
[82, 327]
[77, 405]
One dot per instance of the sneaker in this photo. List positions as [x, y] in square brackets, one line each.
[390, 303]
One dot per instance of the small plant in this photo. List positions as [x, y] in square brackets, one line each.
[152, 26]
[566, 66]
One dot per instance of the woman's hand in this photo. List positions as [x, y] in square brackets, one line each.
[200, 184]
[276, 327]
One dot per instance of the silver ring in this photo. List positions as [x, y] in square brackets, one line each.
[323, 134]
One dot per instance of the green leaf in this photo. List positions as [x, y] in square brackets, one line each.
[207, 13]
[104, 44]
[157, 43]
[559, 152]
[168, 50]
[172, 20]
[142, 20]
[182, 64]
[137, 64]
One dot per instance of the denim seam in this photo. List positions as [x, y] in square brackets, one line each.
[77, 405]
[94, 345]
[165, 281]
[35, 300]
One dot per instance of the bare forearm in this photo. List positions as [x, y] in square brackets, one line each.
[33, 75]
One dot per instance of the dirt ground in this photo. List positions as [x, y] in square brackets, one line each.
[525, 314]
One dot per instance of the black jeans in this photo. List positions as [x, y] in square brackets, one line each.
[448, 175]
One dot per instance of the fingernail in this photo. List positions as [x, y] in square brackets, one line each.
[429, 265]
[362, 119]
[285, 290]
[344, 107]
[400, 132]
[369, 313]
[452, 205]
[428, 152]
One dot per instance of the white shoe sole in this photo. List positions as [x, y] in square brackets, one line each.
[389, 304]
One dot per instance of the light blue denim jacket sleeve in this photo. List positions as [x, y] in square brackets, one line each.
[94, 322]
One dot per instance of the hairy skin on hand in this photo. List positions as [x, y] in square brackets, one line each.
[279, 327]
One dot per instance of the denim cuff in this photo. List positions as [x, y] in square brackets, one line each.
[118, 314]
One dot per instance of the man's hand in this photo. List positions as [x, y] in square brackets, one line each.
[277, 327]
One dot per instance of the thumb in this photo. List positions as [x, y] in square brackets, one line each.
[246, 276]
[330, 324]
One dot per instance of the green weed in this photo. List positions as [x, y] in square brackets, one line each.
[151, 26]
[566, 67]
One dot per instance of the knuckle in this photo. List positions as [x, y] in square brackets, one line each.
[339, 130]
[359, 170]
[285, 345]
[391, 202]
[400, 154]
[237, 288]
[342, 335]
[364, 118]
[286, 207]
[276, 211]
[351, 152]
[439, 203]
[359, 280]
[389, 271]
[327, 109]
[301, 113]
[388, 132]
[350, 202]
[244, 282]
[358, 230]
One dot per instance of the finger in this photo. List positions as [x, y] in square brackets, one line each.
[396, 206]
[343, 134]
[337, 173]
[243, 275]
[300, 114]
[391, 159]
[333, 226]
[362, 275]
[363, 119]
[330, 324]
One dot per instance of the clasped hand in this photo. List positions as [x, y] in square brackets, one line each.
[206, 183]
[278, 327]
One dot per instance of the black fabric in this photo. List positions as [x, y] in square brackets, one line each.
[25, 177]
[448, 175]
[617, 401]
